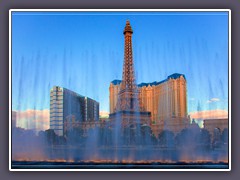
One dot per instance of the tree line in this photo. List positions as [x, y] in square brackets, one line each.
[128, 136]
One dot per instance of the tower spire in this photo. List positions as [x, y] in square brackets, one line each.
[128, 28]
[128, 77]
[128, 96]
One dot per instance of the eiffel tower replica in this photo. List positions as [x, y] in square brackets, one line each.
[129, 109]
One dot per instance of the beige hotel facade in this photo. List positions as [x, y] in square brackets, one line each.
[166, 100]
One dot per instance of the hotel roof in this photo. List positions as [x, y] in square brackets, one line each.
[173, 76]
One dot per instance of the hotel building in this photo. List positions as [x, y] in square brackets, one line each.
[166, 100]
[68, 106]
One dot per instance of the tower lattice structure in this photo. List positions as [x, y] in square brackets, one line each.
[128, 96]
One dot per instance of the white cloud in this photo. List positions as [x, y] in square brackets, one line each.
[104, 114]
[209, 114]
[213, 100]
[33, 119]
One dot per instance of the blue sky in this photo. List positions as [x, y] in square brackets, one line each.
[84, 52]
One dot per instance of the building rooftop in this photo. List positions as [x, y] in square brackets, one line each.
[116, 82]
[173, 76]
[176, 76]
[152, 83]
[73, 92]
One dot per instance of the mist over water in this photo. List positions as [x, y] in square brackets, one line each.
[110, 145]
